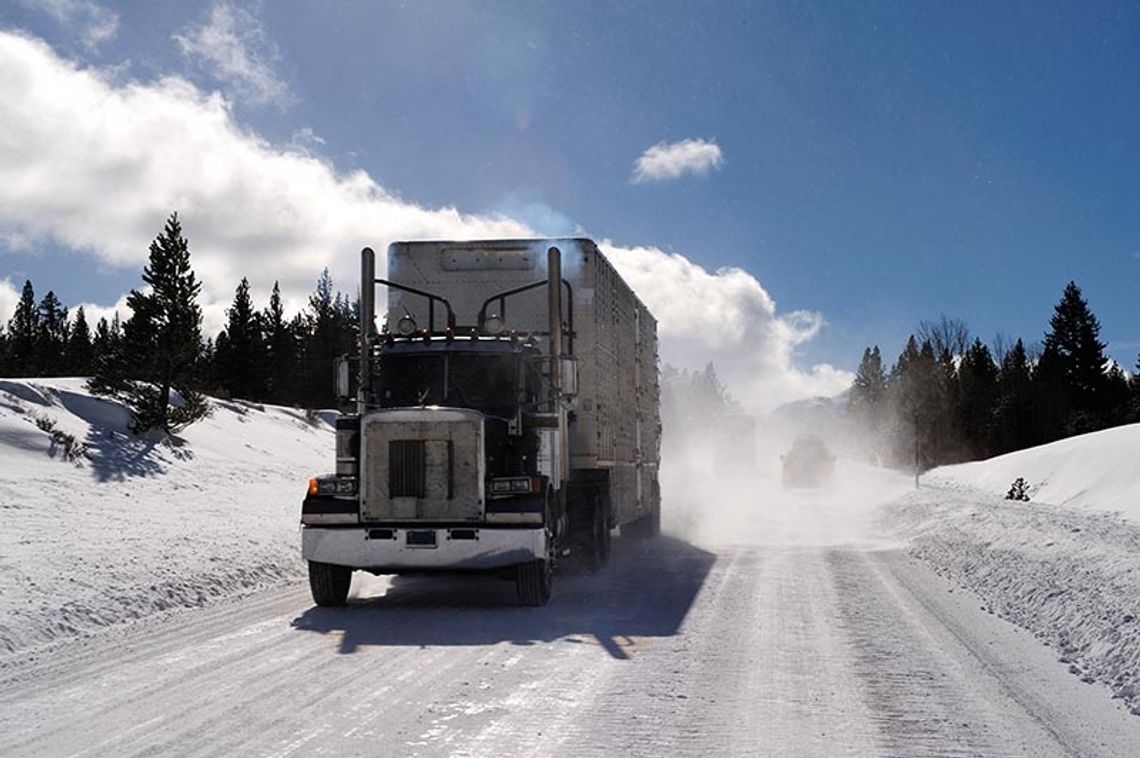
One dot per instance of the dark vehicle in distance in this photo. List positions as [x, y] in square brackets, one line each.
[808, 463]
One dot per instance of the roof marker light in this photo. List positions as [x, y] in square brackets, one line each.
[493, 324]
[406, 326]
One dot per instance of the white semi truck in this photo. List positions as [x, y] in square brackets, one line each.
[506, 419]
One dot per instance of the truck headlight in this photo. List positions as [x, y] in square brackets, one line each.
[340, 485]
[515, 485]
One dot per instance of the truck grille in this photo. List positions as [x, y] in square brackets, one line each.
[421, 464]
[406, 468]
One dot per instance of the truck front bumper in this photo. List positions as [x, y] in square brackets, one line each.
[386, 550]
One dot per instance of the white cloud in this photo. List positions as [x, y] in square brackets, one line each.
[9, 299]
[95, 311]
[726, 317]
[673, 160]
[233, 44]
[97, 166]
[305, 139]
[94, 23]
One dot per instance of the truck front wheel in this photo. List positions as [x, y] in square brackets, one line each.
[329, 583]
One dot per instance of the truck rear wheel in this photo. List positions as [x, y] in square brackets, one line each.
[533, 581]
[602, 534]
[329, 583]
[588, 537]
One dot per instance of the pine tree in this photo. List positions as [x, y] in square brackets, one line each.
[694, 401]
[281, 350]
[161, 340]
[321, 346]
[868, 392]
[915, 392]
[977, 398]
[1117, 398]
[947, 442]
[1013, 410]
[240, 357]
[711, 396]
[105, 362]
[300, 326]
[1073, 360]
[105, 343]
[205, 368]
[1134, 409]
[51, 337]
[870, 379]
[80, 354]
[23, 331]
[5, 369]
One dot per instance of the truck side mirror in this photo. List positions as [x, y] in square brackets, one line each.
[343, 377]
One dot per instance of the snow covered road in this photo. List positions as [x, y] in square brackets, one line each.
[797, 645]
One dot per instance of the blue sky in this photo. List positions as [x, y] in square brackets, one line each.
[882, 163]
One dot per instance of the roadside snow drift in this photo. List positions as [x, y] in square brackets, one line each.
[1065, 565]
[100, 526]
[1098, 471]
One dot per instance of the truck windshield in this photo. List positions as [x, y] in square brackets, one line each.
[484, 382]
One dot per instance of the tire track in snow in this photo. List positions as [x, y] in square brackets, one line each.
[929, 693]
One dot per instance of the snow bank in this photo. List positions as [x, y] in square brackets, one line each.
[1098, 471]
[100, 527]
[1065, 566]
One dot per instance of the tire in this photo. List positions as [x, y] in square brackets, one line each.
[533, 582]
[329, 583]
[588, 535]
[591, 543]
[602, 535]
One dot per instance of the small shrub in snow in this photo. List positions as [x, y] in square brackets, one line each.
[1017, 490]
[150, 412]
[72, 448]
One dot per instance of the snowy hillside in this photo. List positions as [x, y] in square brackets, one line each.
[1065, 565]
[1098, 471]
[121, 527]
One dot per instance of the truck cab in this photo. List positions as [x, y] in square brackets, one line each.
[459, 455]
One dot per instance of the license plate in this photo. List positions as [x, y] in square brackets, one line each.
[421, 538]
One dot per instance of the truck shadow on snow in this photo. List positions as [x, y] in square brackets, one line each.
[646, 591]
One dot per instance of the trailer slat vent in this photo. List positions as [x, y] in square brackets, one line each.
[406, 468]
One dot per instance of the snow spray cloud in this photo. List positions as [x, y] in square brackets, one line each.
[722, 474]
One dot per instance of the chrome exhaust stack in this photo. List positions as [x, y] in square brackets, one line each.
[367, 327]
[554, 306]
